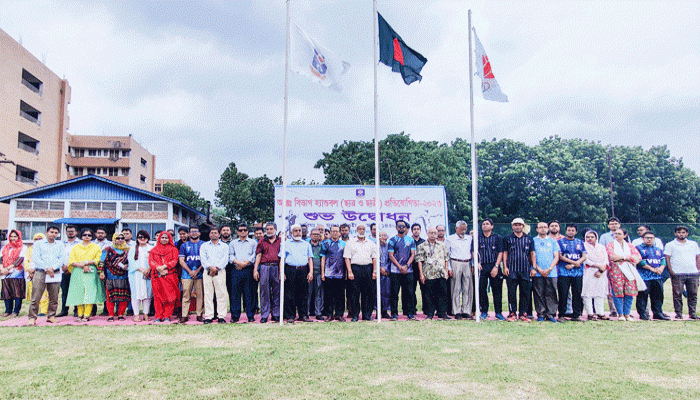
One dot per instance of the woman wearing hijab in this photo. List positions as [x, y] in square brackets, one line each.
[623, 276]
[14, 286]
[86, 289]
[114, 271]
[140, 275]
[44, 303]
[163, 261]
[595, 277]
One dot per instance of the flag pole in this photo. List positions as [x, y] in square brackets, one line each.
[475, 194]
[283, 235]
[376, 170]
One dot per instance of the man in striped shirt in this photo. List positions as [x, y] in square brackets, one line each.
[490, 258]
[518, 261]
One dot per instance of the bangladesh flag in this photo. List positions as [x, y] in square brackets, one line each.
[394, 53]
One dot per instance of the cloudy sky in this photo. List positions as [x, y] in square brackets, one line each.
[201, 84]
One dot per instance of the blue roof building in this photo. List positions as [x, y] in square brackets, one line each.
[92, 201]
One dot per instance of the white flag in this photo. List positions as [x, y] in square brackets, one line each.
[315, 61]
[489, 86]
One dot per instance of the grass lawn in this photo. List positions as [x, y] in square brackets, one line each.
[431, 359]
[426, 360]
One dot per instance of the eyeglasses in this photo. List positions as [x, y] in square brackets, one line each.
[87, 235]
[119, 238]
[243, 230]
[140, 237]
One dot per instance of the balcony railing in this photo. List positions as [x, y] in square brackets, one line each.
[28, 148]
[24, 179]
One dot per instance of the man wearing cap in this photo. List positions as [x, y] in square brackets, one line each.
[518, 260]
[460, 250]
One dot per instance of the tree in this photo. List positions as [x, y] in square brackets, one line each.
[185, 195]
[244, 199]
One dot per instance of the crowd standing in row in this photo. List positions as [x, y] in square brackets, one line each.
[329, 271]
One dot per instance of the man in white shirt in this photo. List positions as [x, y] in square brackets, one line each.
[641, 230]
[214, 256]
[683, 263]
[47, 263]
[101, 238]
[460, 250]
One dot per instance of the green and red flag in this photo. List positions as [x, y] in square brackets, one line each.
[394, 53]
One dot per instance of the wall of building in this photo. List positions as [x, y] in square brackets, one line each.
[44, 92]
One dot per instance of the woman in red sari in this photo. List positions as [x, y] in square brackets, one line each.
[163, 260]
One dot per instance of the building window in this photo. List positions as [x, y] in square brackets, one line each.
[39, 205]
[91, 171]
[29, 229]
[24, 204]
[113, 171]
[160, 206]
[77, 206]
[128, 206]
[77, 152]
[26, 175]
[109, 206]
[94, 152]
[56, 205]
[143, 179]
[150, 228]
[125, 153]
[125, 171]
[27, 143]
[145, 206]
[158, 188]
[143, 163]
[32, 82]
[29, 112]
[93, 206]
[78, 171]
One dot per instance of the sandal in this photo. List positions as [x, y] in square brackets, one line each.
[110, 319]
[86, 319]
[120, 318]
[146, 318]
[137, 319]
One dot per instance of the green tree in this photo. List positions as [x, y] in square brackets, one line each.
[245, 199]
[186, 195]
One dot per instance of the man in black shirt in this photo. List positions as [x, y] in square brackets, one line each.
[415, 233]
[518, 261]
[490, 258]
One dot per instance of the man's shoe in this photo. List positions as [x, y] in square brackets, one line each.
[235, 319]
[340, 319]
[613, 315]
[500, 317]
[679, 317]
[552, 319]
[62, 314]
[51, 320]
[368, 318]
[540, 319]
[445, 317]
[524, 318]
[184, 320]
[251, 319]
[411, 317]
[693, 316]
[468, 316]
[275, 319]
[511, 317]
[320, 318]
[394, 317]
[385, 315]
[306, 319]
[354, 319]
[484, 315]
[207, 321]
[644, 317]
[160, 320]
[662, 317]
[561, 319]
[458, 316]
[290, 321]
[221, 320]
[263, 320]
[200, 318]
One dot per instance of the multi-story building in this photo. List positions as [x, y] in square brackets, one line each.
[119, 158]
[33, 122]
[158, 188]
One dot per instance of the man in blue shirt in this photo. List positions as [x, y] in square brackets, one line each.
[191, 276]
[333, 275]
[653, 270]
[298, 272]
[384, 280]
[572, 254]
[47, 262]
[544, 283]
[241, 257]
[402, 251]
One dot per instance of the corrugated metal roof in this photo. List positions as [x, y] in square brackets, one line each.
[92, 187]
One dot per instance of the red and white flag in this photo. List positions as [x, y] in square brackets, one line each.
[489, 86]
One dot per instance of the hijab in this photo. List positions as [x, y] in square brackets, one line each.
[123, 246]
[596, 252]
[10, 253]
[161, 249]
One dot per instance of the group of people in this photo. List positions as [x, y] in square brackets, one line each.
[550, 274]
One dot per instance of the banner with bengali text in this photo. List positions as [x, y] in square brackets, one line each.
[329, 205]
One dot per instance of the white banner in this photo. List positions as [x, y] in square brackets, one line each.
[328, 205]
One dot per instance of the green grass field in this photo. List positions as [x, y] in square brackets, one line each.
[390, 360]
